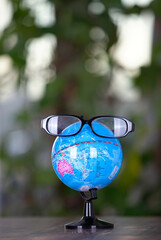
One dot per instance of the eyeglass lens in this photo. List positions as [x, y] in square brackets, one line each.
[109, 126]
[61, 125]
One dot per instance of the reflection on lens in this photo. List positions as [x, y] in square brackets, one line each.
[52, 125]
[111, 126]
[58, 125]
[120, 127]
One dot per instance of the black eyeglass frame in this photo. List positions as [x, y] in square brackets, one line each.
[44, 122]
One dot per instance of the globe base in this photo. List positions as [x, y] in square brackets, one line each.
[89, 221]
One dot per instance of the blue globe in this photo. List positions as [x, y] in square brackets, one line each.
[86, 161]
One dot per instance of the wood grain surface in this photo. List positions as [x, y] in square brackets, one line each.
[38, 228]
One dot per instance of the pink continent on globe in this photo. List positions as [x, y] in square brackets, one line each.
[64, 167]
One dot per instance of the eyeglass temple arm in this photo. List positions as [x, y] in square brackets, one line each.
[43, 123]
[131, 126]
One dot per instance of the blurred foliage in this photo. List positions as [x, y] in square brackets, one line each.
[29, 185]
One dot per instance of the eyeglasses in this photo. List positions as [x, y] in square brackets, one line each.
[103, 126]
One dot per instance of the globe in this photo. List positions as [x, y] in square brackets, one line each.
[85, 160]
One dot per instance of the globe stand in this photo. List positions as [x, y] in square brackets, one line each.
[89, 221]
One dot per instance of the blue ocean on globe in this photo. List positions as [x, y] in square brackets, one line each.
[86, 161]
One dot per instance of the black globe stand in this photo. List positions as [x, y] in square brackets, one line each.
[89, 221]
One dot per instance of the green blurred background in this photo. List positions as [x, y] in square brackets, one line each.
[97, 57]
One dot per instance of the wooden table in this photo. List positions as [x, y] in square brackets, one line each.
[39, 228]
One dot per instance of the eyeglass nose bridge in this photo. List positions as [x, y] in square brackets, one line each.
[84, 121]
